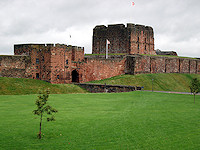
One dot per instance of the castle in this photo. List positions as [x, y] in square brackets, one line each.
[133, 39]
[61, 63]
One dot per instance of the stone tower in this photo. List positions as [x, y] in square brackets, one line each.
[130, 39]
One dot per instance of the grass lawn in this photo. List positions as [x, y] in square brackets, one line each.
[21, 86]
[135, 120]
[161, 81]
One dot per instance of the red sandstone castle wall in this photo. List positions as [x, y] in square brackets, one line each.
[56, 64]
[97, 69]
[142, 65]
[26, 49]
[193, 67]
[184, 66]
[118, 36]
[40, 59]
[133, 39]
[172, 65]
[198, 67]
[65, 59]
[141, 39]
[15, 66]
[52, 63]
[156, 64]
[77, 53]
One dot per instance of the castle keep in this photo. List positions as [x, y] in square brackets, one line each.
[133, 39]
[61, 63]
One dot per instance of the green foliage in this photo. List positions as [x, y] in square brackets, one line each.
[140, 54]
[168, 56]
[135, 120]
[43, 107]
[195, 87]
[20, 86]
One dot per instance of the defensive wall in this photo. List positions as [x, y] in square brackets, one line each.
[138, 64]
[60, 66]
[100, 88]
[101, 68]
[50, 62]
[60, 63]
[15, 66]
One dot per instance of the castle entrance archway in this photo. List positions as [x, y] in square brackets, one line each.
[75, 76]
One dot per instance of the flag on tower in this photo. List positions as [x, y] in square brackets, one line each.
[108, 42]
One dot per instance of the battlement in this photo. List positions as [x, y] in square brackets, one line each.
[28, 46]
[61, 63]
[100, 27]
[77, 48]
[116, 26]
[25, 49]
[139, 27]
[122, 26]
[45, 45]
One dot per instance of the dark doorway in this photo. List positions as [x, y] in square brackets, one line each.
[37, 75]
[75, 76]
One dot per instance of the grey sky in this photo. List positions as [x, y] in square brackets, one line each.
[175, 22]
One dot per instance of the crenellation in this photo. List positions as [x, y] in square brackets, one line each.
[61, 63]
[49, 45]
[130, 25]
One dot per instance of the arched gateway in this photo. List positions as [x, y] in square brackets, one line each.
[75, 76]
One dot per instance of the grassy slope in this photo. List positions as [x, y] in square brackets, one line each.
[135, 120]
[162, 82]
[141, 55]
[105, 54]
[168, 56]
[18, 86]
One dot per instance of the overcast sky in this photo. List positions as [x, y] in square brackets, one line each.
[176, 23]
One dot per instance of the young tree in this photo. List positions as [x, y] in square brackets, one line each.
[195, 87]
[44, 108]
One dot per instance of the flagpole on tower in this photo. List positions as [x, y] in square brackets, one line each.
[107, 42]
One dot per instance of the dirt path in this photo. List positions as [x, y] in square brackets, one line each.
[172, 92]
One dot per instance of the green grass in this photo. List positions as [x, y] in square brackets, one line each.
[141, 55]
[20, 86]
[161, 82]
[105, 54]
[135, 120]
[168, 56]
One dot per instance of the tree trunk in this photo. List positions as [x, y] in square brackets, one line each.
[40, 133]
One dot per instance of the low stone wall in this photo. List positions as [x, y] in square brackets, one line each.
[103, 88]
[139, 64]
[15, 66]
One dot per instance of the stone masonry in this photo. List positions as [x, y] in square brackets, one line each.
[138, 64]
[59, 63]
[133, 39]
[15, 66]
